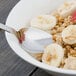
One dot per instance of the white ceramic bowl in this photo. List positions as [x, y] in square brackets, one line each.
[19, 17]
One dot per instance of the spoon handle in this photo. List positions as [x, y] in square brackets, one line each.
[7, 28]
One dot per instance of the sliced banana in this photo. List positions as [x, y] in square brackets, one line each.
[67, 8]
[70, 63]
[44, 22]
[69, 34]
[53, 55]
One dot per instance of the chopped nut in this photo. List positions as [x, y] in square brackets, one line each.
[53, 32]
[73, 52]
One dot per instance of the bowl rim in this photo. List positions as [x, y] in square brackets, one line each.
[25, 56]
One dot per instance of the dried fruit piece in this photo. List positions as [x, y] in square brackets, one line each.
[22, 38]
[73, 18]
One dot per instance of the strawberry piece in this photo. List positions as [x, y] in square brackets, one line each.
[73, 18]
[22, 38]
[20, 41]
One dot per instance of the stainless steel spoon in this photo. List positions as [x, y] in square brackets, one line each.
[35, 39]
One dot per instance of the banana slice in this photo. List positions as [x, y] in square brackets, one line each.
[67, 8]
[70, 63]
[69, 34]
[53, 55]
[44, 22]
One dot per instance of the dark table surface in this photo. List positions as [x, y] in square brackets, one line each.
[10, 63]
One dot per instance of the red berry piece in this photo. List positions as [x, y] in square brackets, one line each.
[22, 38]
[73, 18]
